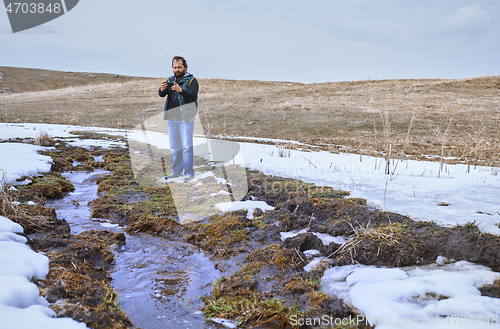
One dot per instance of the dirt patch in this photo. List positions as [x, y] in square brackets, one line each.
[491, 290]
[275, 270]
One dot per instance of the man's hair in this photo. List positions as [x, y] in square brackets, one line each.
[179, 58]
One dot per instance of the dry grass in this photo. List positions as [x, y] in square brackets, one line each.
[7, 208]
[14, 211]
[387, 234]
[336, 116]
[44, 139]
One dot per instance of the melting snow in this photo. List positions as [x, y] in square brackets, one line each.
[325, 238]
[244, 205]
[21, 306]
[428, 294]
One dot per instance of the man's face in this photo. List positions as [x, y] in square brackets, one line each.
[179, 69]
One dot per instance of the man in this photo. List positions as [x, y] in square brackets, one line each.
[180, 110]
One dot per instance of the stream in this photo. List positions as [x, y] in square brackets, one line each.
[159, 280]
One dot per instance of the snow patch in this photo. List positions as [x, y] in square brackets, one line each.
[21, 306]
[430, 293]
[244, 205]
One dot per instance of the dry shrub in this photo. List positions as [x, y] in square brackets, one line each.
[388, 234]
[44, 139]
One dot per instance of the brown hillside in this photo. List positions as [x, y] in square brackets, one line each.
[444, 118]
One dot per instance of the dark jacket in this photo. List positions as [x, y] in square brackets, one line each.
[187, 99]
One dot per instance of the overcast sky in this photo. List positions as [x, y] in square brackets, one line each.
[284, 40]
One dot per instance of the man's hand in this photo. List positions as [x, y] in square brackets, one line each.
[163, 86]
[176, 87]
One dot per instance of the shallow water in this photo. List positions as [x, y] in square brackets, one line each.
[159, 281]
[74, 207]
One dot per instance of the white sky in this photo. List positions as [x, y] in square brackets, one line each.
[313, 41]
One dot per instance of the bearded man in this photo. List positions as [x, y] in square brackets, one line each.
[180, 110]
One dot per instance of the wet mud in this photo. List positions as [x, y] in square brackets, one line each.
[272, 281]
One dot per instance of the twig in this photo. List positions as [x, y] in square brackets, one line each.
[310, 162]
[299, 255]
[308, 225]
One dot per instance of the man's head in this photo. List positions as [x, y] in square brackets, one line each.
[179, 65]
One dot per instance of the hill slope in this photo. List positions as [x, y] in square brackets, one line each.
[443, 118]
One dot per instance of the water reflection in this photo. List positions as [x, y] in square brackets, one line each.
[159, 281]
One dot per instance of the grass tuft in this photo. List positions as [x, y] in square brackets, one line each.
[44, 139]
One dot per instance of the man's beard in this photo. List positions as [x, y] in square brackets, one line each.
[180, 74]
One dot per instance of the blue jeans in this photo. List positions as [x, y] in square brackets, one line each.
[180, 135]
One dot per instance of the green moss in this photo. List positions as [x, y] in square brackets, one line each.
[258, 223]
[50, 186]
[223, 231]
[397, 228]
[251, 268]
[252, 309]
[359, 201]
[110, 300]
[469, 225]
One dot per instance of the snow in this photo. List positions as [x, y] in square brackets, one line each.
[416, 188]
[312, 252]
[431, 293]
[21, 306]
[419, 189]
[35, 316]
[313, 263]
[325, 238]
[20, 160]
[225, 322]
[109, 225]
[89, 143]
[244, 205]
